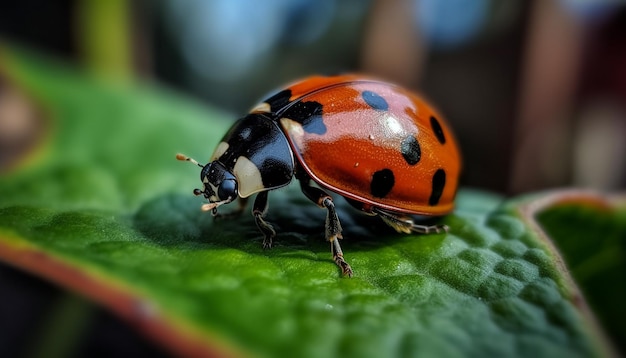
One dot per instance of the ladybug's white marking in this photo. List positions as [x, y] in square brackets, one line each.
[219, 151]
[248, 177]
[295, 130]
[292, 126]
[261, 107]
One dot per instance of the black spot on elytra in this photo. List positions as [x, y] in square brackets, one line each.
[279, 100]
[411, 150]
[434, 123]
[382, 183]
[309, 114]
[375, 101]
[439, 182]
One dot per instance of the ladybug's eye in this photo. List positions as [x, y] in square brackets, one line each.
[227, 189]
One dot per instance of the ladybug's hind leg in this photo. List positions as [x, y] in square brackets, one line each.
[405, 224]
[258, 211]
[333, 226]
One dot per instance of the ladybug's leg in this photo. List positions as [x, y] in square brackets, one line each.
[404, 224]
[258, 210]
[333, 227]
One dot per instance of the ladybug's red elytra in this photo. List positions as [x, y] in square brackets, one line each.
[383, 148]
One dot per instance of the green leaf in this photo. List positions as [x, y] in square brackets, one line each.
[592, 239]
[100, 206]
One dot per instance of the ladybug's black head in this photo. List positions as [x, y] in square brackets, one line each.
[220, 185]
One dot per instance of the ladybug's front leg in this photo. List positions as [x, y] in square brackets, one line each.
[258, 210]
[333, 227]
[241, 206]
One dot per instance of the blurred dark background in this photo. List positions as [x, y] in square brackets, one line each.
[535, 90]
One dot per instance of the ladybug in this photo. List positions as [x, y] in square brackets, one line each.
[381, 147]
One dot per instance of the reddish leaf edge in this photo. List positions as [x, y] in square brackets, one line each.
[529, 207]
[127, 303]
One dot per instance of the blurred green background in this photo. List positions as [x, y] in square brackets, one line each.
[535, 90]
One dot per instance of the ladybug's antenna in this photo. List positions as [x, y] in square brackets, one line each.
[185, 158]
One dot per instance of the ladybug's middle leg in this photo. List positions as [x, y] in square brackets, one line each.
[333, 226]
[405, 224]
[258, 210]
